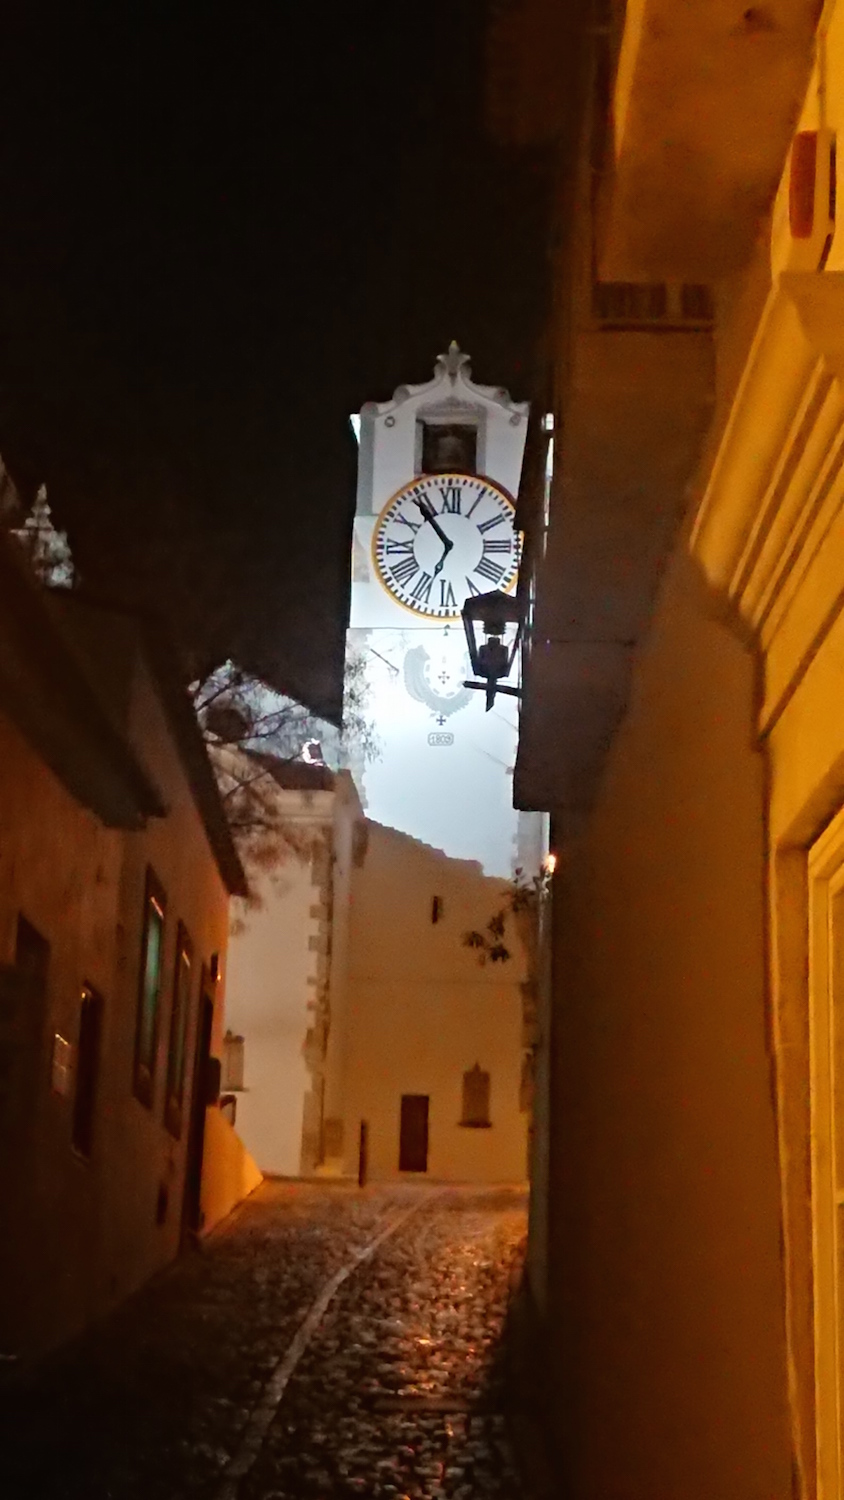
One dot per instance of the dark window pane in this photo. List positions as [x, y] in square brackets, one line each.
[87, 1070]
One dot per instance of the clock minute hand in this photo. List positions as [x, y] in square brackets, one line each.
[430, 517]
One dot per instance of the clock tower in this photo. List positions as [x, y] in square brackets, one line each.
[438, 471]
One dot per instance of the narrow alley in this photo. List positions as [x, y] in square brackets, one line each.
[325, 1342]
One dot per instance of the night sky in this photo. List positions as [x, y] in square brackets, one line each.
[222, 230]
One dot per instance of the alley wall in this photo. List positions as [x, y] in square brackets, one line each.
[666, 1294]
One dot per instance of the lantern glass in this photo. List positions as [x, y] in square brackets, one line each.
[493, 625]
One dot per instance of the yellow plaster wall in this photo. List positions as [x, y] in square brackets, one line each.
[681, 1257]
[422, 1011]
[703, 110]
[772, 535]
[83, 1234]
[666, 1294]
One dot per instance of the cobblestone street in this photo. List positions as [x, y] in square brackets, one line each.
[325, 1343]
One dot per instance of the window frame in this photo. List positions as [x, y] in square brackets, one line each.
[179, 1031]
[144, 1066]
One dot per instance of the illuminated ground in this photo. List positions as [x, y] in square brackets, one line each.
[201, 1387]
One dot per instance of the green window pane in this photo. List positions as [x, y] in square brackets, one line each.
[151, 986]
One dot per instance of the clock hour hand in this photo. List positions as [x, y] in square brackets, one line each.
[429, 515]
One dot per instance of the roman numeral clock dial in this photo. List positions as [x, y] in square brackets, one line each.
[442, 538]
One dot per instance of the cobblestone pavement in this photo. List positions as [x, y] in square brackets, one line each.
[325, 1343]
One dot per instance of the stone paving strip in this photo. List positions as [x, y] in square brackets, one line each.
[327, 1343]
[264, 1413]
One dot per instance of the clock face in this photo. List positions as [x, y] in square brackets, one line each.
[413, 559]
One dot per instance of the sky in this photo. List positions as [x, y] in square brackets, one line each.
[222, 230]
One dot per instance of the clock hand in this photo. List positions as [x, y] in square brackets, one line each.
[430, 517]
[439, 567]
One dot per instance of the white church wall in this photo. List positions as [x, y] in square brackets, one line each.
[272, 974]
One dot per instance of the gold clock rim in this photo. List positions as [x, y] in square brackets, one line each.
[492, 484]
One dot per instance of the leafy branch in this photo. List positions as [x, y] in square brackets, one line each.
[522, 896]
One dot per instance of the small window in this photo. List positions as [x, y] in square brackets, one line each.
[149, 989]
[449, 448]
[436, 909]
[176, 1052]
[87, 1070]
[476, 1098]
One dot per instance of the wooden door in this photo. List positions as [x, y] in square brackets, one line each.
[363, 1154]
[413, 1134]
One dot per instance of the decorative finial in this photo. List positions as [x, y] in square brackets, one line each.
[453, 362]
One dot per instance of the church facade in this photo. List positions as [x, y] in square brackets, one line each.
[425, 1065]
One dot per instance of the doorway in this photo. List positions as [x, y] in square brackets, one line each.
[192, 1207]
[413, 1133]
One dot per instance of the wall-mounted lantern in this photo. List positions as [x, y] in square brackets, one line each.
[499, 618]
